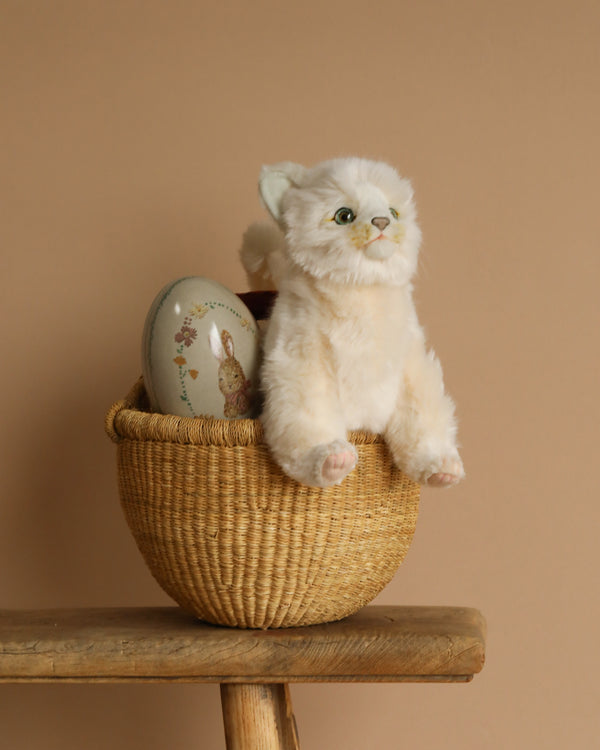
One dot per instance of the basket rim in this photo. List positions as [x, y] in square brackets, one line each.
[130, 419]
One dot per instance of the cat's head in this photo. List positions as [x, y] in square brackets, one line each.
[348, 220]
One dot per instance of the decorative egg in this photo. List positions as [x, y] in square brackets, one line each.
[200, 351]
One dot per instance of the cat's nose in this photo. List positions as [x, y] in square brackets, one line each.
[380, 222]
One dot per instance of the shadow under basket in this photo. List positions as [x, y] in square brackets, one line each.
[235, 541]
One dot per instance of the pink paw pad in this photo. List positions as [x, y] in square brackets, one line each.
[452, 472]
[442, 480]
[337, 465]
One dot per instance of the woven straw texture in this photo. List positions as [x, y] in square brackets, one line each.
[235, 541]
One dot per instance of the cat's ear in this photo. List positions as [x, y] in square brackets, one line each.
[275, 181]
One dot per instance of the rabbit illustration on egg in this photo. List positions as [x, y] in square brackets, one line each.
[233, 383]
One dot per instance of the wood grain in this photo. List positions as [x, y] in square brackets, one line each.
[258, 717]
[378, 644]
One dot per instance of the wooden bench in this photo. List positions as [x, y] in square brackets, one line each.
[253, 667]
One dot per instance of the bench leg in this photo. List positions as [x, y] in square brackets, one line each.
[258, 717]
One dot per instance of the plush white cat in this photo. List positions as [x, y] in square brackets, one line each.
[344, 349]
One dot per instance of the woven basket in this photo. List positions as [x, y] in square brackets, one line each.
[235, 541]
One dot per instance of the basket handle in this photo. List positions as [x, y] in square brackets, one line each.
[130, 400]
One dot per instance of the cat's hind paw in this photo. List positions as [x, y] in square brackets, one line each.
[451, 472]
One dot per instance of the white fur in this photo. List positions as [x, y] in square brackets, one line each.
[344, 349]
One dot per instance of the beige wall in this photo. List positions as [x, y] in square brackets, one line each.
[133, 133]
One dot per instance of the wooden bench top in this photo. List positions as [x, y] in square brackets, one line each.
[378, 644]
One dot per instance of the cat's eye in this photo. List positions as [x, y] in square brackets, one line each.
[394, 213]
[344, 216]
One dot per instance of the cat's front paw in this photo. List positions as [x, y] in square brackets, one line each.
[329, 464]
[340, 460]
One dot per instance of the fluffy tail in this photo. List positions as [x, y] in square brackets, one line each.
[262, 256]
